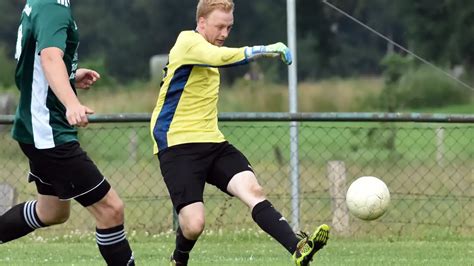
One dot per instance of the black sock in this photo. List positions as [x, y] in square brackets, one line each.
[19, 221]
[183, 247]
[114, 247]
[272, 222]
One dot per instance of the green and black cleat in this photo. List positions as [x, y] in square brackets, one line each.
[309, 245]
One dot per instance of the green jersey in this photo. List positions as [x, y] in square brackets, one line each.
[40, 117]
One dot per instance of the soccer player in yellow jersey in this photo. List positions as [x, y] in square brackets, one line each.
[191, 149]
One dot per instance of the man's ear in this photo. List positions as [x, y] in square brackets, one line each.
[201, 23]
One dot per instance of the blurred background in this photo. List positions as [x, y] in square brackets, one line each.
[341, 65]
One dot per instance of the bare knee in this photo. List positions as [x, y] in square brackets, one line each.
[109, 211]
[257, 191]
[191, 220]
[51, 210]
[112, 212]
[193, 229]
[115, 211]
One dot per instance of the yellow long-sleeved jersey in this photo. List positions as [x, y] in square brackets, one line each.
[186, 109]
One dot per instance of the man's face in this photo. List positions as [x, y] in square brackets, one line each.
[216, 27]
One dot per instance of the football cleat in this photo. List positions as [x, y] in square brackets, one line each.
[309, 245]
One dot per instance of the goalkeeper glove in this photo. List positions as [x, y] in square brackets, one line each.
[272, 50]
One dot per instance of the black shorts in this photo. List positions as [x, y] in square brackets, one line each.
[67, 172]
[187, 167]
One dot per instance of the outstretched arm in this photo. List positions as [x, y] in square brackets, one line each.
[200, 52]
[208, 54]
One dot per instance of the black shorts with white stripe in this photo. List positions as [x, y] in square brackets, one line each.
[67, 172]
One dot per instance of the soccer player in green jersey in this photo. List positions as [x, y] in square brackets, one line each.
[191, 149]
[48, 113]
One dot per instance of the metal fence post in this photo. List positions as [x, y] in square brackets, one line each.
[295, 179]
[293, 106]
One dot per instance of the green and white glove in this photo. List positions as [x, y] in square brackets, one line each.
[272, 50]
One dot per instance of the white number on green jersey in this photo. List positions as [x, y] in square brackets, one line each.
[64, 2]
[18, 43]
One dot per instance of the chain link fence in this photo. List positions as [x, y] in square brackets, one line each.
[428, 167]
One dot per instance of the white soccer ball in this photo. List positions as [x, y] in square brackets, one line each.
[367, 198]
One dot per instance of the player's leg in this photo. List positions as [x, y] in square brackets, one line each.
[244, 185]
[184, 170]
[51, 210]
[26, 217]
[110, 231]
[191, 220]
[233, 174]
[77, 177]
[191, 225]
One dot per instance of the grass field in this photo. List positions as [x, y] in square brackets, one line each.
[244, 248]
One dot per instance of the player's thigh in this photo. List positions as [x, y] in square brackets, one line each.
[244, 183]
[52, 210]
[245, 187]
[229, 162]
[67, 172]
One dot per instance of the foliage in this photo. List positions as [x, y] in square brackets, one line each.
[127, 33]
[358, 51]
[9, 24]
[395, 67]
[441, 32]
[427, 87]
[408, 85]
[7, 69]
[98, 64]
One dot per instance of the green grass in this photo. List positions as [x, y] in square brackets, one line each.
[243, 248]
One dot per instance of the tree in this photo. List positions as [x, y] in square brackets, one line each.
[441, 32]
[359, 51]
[317, 44]
[125, 34]
[9, 22]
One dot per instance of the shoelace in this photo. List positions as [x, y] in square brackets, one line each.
[302, 235]
[304, 245]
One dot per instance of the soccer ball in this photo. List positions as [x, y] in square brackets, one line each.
[367, 198]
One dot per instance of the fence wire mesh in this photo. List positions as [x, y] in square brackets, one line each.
[429, 169]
